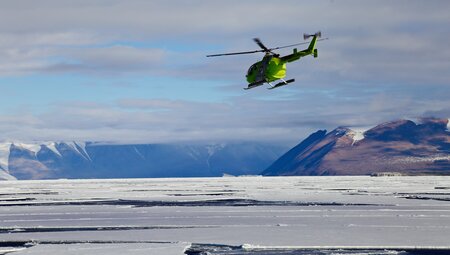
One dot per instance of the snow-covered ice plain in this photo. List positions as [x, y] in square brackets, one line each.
[232, 215]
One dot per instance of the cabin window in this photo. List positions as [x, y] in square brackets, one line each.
[251, 69]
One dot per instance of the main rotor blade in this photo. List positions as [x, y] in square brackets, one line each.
[292, 45]
[261, 45]
[263, 48]
[234, 53]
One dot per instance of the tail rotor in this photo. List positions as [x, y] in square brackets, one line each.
[307, 36]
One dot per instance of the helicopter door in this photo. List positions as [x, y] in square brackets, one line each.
[261, 75]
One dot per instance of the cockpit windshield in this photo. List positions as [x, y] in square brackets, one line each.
[251, 69]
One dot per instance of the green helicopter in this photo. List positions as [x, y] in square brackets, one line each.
[273, 66]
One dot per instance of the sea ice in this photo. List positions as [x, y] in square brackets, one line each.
[164, 216]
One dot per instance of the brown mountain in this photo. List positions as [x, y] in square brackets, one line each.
[400, 146]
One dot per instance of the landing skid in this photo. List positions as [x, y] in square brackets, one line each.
[259, 83]
[254, 85]
[282, 83]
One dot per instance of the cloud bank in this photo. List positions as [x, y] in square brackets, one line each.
[384, 60]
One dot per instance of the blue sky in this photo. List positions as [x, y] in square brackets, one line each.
[136, 71]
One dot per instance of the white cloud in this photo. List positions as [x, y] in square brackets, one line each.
[117, 59]
[385, 60]
[368, 40]
[240, 118]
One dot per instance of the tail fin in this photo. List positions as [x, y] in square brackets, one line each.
[312, 45]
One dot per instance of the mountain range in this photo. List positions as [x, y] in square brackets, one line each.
[53, 160]
[402, 147]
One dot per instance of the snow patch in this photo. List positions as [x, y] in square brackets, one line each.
[6, 176]
[193, 153]
[139, 153]
[212, 149]
[80, 148]
[357, 134]
[82, 145]
[4, 155]
[73, 146]
[340, 131]
[52, 146]
[416, 121]
[5, 149]
[33, 147]
[422, 159]
[448, 125]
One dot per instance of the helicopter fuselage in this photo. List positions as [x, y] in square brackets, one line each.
[273, 70]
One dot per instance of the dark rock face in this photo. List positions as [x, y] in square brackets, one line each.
[400, 146]
[288, 161]
[23, 164]
[79, 160]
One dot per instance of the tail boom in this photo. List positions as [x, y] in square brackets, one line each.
[311, 50]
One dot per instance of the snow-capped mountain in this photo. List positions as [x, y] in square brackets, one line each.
[52, 160]
[401, 146]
